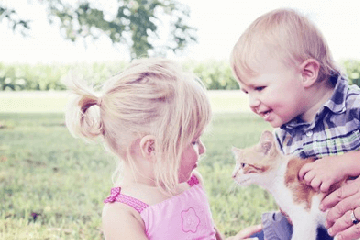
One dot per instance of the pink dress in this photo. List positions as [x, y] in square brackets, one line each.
[182, 217]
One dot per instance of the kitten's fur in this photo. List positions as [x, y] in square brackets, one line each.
[264, 165]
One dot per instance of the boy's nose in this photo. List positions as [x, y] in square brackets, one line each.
[254, 103]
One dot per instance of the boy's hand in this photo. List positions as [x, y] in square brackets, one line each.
[322, 173]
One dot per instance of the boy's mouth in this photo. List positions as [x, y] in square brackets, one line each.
[265, 114]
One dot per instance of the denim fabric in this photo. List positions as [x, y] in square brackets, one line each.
[277, 227]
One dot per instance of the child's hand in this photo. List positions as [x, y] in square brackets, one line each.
[322, 173]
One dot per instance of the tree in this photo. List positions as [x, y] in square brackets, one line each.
[136, 23]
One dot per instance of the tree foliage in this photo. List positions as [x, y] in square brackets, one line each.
[14, 21]
[137, 23]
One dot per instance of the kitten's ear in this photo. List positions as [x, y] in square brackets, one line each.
[266, 141]
[266, 136]
[237, 152]
[266, 147]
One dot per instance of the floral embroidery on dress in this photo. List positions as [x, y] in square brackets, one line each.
[190, 221]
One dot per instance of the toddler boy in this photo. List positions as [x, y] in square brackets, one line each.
[284, 64]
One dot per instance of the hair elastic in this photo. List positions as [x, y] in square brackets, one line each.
[87, 101]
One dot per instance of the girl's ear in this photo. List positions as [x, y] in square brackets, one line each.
[309, 71]
[147, 146]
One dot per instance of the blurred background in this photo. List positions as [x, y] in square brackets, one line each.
[51, 185]
[42, 39]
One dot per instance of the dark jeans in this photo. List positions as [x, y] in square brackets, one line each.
[276, 227]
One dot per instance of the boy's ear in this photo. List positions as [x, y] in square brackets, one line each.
[147, 146]
[310, 71]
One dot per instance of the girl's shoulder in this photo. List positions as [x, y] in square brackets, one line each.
[117, 216]
[117, 209]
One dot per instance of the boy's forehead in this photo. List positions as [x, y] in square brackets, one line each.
[256, 81]
[244, 87]
[250, 81]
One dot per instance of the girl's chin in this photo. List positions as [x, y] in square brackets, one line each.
[184, 179]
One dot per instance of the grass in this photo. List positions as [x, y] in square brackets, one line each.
[52, 186]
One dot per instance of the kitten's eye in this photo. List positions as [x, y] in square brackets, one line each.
[243, 165]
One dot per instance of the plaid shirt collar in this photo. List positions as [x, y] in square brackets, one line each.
[336, 104]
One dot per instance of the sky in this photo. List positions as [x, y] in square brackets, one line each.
[219, 24]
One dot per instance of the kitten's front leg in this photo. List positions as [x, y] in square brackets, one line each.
[304, 228]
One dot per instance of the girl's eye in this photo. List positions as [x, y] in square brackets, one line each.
[195, 142]
[259, 88]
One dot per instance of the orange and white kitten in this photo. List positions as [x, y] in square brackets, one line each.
[266, 166]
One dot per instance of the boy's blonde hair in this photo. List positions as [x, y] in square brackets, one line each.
[151, 97]
[287, 36]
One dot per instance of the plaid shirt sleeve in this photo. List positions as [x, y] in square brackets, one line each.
[334, 131]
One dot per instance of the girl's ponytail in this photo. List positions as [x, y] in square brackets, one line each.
[83, 115]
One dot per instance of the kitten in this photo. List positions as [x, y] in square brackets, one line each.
[266, 166]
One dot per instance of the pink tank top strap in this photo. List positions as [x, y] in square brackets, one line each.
[193, 181]
[116, 196]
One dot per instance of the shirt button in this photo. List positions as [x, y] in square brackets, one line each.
[309, 133]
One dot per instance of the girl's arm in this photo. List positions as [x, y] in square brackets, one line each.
[122, 222]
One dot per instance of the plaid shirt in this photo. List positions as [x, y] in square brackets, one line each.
[334, 131]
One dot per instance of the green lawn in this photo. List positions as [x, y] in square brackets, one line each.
[52, 186]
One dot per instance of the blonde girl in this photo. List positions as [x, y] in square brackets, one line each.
[151, 117]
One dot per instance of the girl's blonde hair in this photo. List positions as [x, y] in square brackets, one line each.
[287, 36]
[151, 97]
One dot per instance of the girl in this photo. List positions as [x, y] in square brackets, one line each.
[152, 117]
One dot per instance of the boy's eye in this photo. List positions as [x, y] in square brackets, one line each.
[259, 88]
